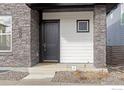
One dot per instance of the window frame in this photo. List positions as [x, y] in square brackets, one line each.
[2, 34]
[83, 31]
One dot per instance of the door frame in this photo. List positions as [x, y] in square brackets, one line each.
[42, 36]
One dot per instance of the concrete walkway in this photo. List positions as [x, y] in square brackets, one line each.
[47, 70]
[42, 73]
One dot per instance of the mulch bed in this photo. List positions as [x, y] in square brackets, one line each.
[12, 75]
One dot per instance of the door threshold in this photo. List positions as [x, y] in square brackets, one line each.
[50, 61]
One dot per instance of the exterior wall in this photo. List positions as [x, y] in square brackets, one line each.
[115, 30]
[20, 55]
[115, 38]
[115, 55]
[100, 36]
[25, 46]
[108, 54]
[34, 37]
[74, 47]
[24, 30]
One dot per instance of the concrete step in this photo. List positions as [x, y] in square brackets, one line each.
[39, 76]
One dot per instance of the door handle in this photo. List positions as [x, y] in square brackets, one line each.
[44, 46]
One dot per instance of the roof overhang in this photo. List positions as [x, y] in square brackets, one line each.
[48, 6]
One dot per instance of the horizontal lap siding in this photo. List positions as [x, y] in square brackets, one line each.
[76, 53]
[116, 54]
[115, 37]
[74, 47]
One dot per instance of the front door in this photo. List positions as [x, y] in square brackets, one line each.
[50, 41]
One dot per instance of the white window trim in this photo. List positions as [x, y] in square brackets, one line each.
[10, 42]
[87, 26]
[6, 51]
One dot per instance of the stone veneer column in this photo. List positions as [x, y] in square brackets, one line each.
[21, 35]
[25, 36]
[34, 37]
[100, 36]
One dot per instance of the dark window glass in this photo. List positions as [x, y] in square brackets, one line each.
[82, 25]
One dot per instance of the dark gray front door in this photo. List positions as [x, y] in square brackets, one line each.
[51, 40]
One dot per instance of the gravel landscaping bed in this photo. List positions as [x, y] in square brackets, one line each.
[88, 78]
[12, 75]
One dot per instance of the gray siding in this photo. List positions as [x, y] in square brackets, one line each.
[115, 31]
[115, 55]
[115, 38]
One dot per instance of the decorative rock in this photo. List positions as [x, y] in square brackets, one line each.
[78, 76]
[13, 75]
